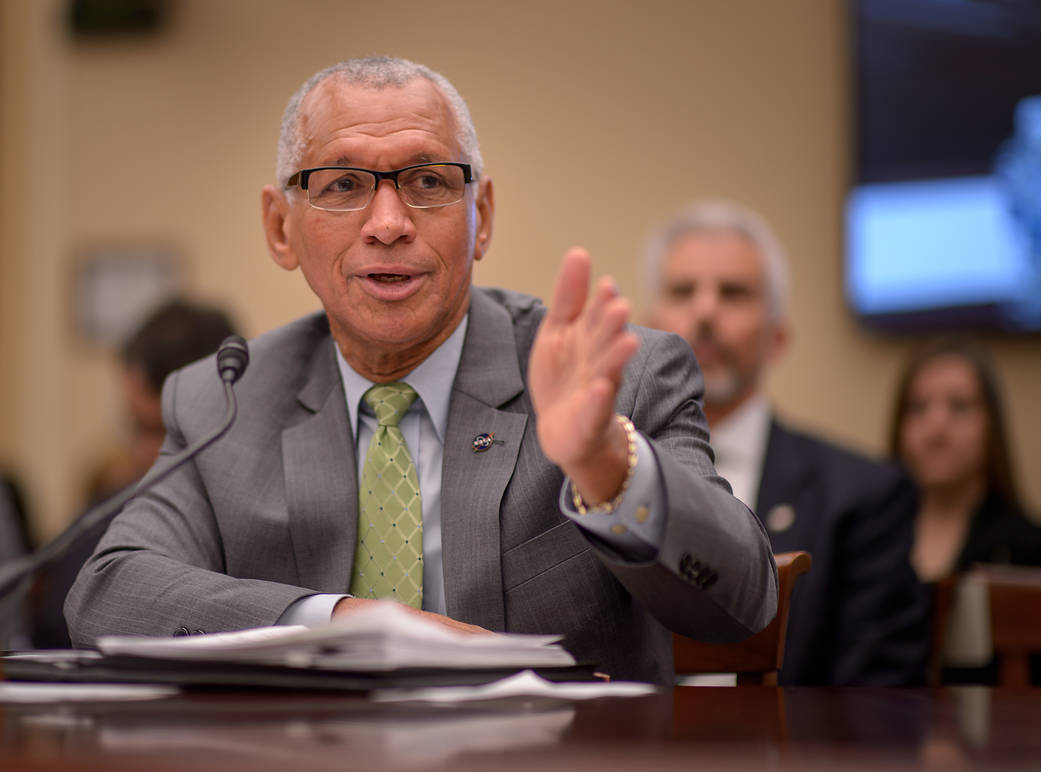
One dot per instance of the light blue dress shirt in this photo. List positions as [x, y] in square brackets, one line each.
[424, 429]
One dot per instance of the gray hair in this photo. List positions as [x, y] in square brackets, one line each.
[713, 217]
[377, 73]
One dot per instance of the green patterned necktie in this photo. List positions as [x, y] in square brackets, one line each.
[388, 560]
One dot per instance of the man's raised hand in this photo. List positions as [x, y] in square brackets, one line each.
[575, 369]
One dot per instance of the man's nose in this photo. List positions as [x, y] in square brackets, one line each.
[387, 218]
[704, 303]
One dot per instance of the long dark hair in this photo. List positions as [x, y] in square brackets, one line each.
[998, 474]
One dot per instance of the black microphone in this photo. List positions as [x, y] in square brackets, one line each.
[232, 358]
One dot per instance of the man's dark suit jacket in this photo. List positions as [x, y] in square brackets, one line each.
[859, 616]
[268, 514]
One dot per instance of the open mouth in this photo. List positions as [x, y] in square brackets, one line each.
[390, 286]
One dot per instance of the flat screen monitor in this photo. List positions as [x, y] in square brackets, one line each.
[943, 216]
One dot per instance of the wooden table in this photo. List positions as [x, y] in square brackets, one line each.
[747, 727]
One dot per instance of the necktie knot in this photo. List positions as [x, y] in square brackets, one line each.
[390, 401]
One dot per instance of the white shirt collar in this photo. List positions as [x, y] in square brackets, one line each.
[739, 442]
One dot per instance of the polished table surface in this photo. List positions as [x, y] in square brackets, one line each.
[746, 727]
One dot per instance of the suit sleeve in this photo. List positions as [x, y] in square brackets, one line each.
[714, 577]
[159, 569]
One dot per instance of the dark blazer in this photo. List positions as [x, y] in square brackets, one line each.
[1000, 533]
[859, 616]
[268, 514]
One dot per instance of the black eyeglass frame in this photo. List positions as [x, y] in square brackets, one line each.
[303, 176]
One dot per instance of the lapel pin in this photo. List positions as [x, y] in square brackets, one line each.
[484, 441]
[780, 518]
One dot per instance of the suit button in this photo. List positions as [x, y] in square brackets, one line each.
[182, 631]
[200, 632]
[685, 562]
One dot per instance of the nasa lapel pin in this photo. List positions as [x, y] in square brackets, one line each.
[484, 441]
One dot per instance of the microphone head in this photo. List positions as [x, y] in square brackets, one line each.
[232, 358]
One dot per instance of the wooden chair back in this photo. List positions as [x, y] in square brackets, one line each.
[1015, 619]
[756, 660]
[1014, 600]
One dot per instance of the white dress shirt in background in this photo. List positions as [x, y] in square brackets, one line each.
[739, 443]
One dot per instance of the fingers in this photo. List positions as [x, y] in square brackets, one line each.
[605, 295]
[455, 625]
[609, 344]
[570, 288]
[603, 344]
[616, 356]
[349, 605]
[468, 629]
[607, 313]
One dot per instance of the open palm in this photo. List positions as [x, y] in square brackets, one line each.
[576, 366]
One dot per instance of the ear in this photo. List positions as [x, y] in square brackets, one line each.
[275, 213]
[485, 214]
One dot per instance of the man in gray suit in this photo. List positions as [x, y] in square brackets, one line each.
[560, 458]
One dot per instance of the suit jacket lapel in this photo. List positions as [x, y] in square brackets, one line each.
[320, 479]
[472, 484]
[782, 485]
[775, 471]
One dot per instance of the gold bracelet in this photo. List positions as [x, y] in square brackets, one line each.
[608, 507]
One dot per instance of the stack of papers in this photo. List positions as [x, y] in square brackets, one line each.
[381, 637]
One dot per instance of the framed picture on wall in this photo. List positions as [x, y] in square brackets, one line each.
[116, 287]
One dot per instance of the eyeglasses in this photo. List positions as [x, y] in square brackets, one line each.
[346, 189]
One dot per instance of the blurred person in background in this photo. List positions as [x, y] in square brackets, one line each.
[16, 535]
[15, 541]
[948, 428]
[175, 334]
[718, 276]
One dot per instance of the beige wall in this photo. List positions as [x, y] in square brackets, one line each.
[167, 141]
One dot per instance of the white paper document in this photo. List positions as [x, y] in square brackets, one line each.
[523, 684]
[15, 691]
[381, 637]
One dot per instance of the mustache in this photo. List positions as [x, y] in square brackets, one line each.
[704, 334]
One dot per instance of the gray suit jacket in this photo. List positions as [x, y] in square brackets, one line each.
[267, 514]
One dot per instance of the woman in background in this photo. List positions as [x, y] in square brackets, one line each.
[948, 428]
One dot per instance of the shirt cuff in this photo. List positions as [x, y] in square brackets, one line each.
[636, 527]
[311, 610]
